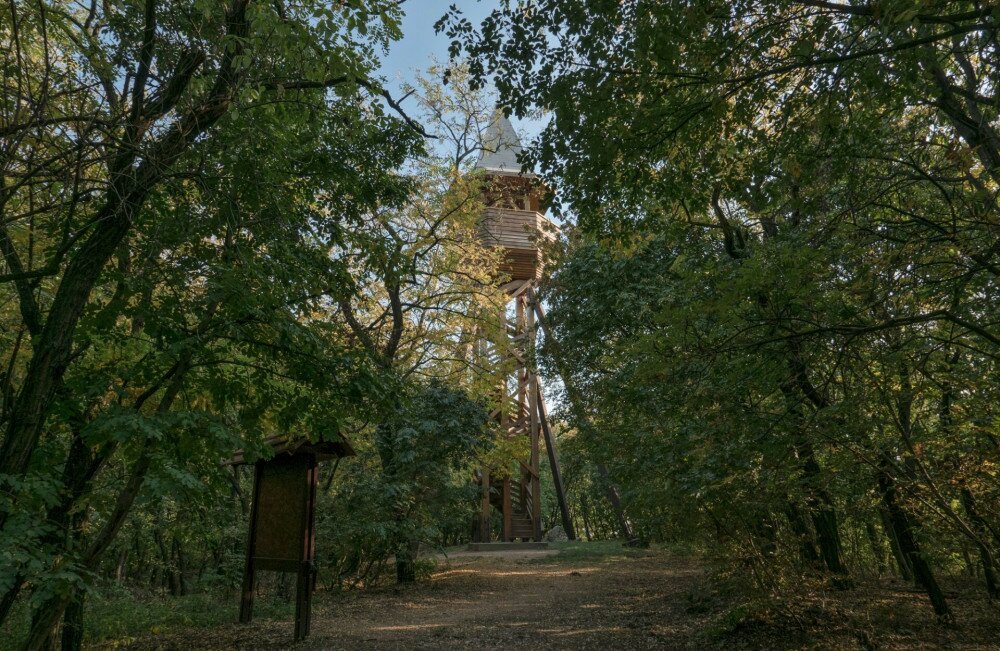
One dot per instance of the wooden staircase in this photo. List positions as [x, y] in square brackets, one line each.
[514, 490]
[521, 523]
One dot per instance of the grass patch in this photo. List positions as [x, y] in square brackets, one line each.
[577, 551]
[124, 616]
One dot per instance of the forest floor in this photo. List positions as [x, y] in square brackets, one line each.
[596, 596]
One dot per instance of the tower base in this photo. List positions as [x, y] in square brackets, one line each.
[507, 546]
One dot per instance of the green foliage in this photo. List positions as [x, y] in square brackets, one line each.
[119, 617]
[412, 484]
[775, 318]
[167, 273]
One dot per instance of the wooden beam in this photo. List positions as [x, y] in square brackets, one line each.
[536, 486]
[550, 446]
[516, 287]
[484, 515]
[304, 582]
[612, 491]
[508, 508]
[513, 286]
[250, 572]
[528, 470]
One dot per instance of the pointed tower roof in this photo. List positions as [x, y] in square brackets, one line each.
[501, 149]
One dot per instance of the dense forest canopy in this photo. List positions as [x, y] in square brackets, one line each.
[772, 309]
[217, 225]
[778, 311]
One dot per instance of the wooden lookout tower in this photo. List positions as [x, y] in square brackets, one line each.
[513, 221]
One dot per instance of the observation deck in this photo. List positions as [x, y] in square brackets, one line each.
[523, 234]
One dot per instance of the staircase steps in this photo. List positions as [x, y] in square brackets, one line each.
[521, 525]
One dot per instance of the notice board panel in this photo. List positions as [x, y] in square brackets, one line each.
[282, 509]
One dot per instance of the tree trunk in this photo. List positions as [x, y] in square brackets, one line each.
[46, 618]
[970, 567]
[72, 632]
[132, 181]
[985, 554]
[905, 571]
[624, 527]
[9, 597]
[903, 530]
[169, 572]
[585, 511]
[406, 562]
[405, 549]
[821, 507]
[766, 537]
[45, 622]
[828, 535]
[181, 563]
[807, 547]
[878, 551]
[121, 565]
[822, 511]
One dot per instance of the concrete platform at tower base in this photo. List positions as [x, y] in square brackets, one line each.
[507, 546]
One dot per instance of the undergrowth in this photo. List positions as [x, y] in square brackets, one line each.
[123, 616]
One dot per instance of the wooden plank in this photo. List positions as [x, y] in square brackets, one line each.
[266, 564]
[520, 372]
[304, 582]
[522, 264]
[516, 229]
[514, 287]
[283, 508]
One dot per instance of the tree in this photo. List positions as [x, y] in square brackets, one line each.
[821, 178]
[425, 286]
[157, 306]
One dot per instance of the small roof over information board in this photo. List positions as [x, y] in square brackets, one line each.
[286, 444]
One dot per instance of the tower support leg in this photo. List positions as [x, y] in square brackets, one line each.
[550, 447]
[508, 512]
[484, 514]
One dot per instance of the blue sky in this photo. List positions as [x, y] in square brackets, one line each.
[420, 45]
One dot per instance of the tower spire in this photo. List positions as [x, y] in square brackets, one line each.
[501, 149]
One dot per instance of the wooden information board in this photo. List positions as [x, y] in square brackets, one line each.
[282, 520]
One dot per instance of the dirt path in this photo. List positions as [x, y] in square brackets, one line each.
[602, 596]
[494, 601]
